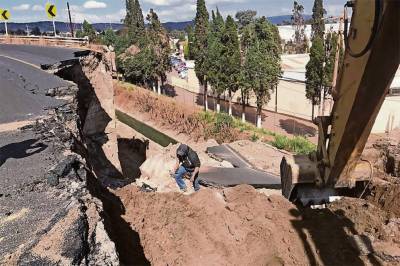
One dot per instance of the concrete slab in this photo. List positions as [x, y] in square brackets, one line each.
[228, 177]
[225, 152]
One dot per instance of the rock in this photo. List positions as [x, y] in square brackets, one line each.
[61, 170]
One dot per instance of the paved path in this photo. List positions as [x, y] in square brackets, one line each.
[24, 84]
[26, 202]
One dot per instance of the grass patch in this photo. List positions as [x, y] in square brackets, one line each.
[297, 144]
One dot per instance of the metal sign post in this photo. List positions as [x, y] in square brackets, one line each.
[54, 28]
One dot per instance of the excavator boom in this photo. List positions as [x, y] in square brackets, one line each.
[372, 57]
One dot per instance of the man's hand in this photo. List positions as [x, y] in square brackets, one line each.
[195, 172]
[173, 171]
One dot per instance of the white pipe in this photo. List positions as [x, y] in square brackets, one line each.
[244, 117]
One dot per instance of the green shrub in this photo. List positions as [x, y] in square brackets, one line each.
[280, 142]
[298, 144]
[254, 137]
[222, 120]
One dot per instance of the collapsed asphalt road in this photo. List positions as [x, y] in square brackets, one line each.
[24, 85]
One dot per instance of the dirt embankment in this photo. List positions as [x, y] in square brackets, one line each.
[240, 226]
[236, 226]
[384, 154]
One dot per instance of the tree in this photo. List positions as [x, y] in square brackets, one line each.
[36, 31]
[199, 47]
[109, 38]
[87, 31]
[231, 57]
[214, 62]
[190, 51]
[317, 21]
[245, 17]
[262, 66]
[139, 68]
[300, 41]
[159, 42]
[134, 21]
[331, 43]
[315, 72]
[247, 37]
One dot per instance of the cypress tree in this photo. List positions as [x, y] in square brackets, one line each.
[318, 23]
[134, 21]
[158, 40]
[262, 66]
[315, 72]
[214, 63]
[231, 57]
[200, 45]
[247, 37]
[300, 41]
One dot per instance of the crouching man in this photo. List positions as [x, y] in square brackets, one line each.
[187, 163]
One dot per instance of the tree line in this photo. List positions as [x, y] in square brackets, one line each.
[231, 54]
[235, 55]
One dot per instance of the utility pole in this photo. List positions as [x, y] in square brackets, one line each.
[70, 20]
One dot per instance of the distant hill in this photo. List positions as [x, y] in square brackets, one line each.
[64, 27]
[60, 26]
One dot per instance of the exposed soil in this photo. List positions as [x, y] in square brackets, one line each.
[240, 226]
[236, 226]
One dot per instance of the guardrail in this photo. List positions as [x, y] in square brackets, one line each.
[80, 43]
[44, 40]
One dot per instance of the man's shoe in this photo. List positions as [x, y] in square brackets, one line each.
[184, 190]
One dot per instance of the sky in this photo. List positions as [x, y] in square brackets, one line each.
[168, 10]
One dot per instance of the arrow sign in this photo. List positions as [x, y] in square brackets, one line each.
[51, 10]
[4, 14]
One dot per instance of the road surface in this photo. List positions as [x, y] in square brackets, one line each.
[24, 84]
[26, 202]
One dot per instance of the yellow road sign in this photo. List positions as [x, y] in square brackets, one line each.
[51, 10]
[4, 14]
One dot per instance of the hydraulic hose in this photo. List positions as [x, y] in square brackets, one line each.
[377, 19]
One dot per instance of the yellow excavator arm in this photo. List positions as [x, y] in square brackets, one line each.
[371, 59]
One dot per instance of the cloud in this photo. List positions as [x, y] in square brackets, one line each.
[334, 9]
[94, 5]
[164, 2]
[21, 7]
[79, 17]
[182, 12]
[38, 8]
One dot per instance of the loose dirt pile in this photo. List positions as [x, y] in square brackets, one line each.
[384, 154]
[235, 226]
[239, 226]
[380, 229]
